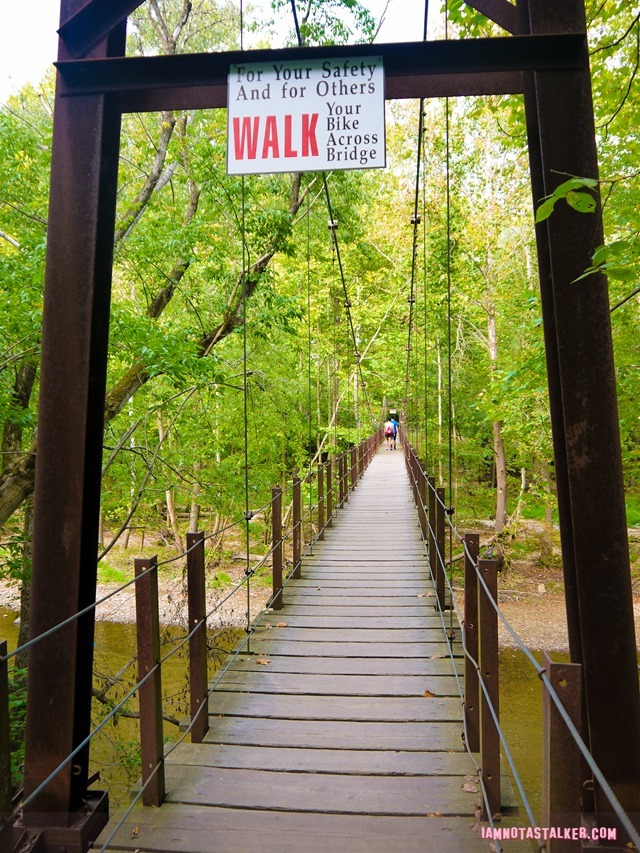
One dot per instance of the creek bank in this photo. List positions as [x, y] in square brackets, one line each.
[539, 620]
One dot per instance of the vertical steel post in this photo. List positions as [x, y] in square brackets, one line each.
[297, 527]
[471, 686]
[5, 748]
[321, 506]
[354, 468]
[276, 546]
[150, 693]
[562, 761]
[422, 498]
[489, 737]
[197, 607]
[84, 168]
[329, 467]
[585, 415]
[440, 547]
[431, 519]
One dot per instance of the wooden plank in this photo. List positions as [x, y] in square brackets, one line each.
[432, 665]
[267, 681]
[422, 607]
[322, 620]
[324, 793]
[353, 650]
[394, 596]
[337, 761]
[318, 734]
[335, 580]
[348, 635]
[201, 829]
[356, 708]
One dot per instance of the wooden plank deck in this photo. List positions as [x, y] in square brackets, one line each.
[349, 738]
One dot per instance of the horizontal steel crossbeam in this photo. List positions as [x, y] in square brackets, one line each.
[412, 69]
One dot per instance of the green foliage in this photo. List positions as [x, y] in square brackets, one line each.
[572, 192]
[220, 579]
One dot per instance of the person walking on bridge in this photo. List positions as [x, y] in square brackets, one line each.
[388, 433]
[395, 425]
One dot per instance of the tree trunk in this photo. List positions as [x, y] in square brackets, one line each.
[498, 443]
[194, 512]
[501, 477]
[171, 507]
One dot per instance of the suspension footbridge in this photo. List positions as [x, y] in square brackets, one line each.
[341, 727]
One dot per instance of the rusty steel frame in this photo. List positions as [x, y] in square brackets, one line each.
[546, 58]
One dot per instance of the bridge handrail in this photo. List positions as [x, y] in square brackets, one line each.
[540, 670]
[9, 813]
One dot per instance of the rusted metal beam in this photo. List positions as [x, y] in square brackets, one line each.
[593, 513]
[500, 12]
[440, 545]
[70, 436]
[297, 527]
[150, 692]
[329, 467]
[471, 685]
[197, 606]
[321, 504]
[276, 545]
[489, 672]
[562, 762]
[92, 22]
[473, 66]
[5, 747]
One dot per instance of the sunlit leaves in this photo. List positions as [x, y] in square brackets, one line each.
[574, 193]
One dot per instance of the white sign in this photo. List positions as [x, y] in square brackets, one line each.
[306, 115]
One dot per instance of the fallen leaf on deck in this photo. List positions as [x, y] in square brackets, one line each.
[434, 657]
[434, 814]
[135, 832]
[428, 694]
[470, 788]
[263, 661]
[281, 625]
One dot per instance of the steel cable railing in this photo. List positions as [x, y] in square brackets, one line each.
[624, 819]
[145, 573]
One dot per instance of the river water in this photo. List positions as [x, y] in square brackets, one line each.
[114, 751]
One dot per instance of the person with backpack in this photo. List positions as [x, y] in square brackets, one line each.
[395, 425]
[388, 433]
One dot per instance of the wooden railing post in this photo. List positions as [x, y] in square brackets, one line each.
[431, 514]
[488, 660]
[329, 467]
[440, 523]
[422, 497]
[562, 762]
[276, 546]
[341, 467]
[5, 750]
[150, 693]
[471, 686]
[197, 607]
[297, 527]
[354, 467]
[321, 521]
